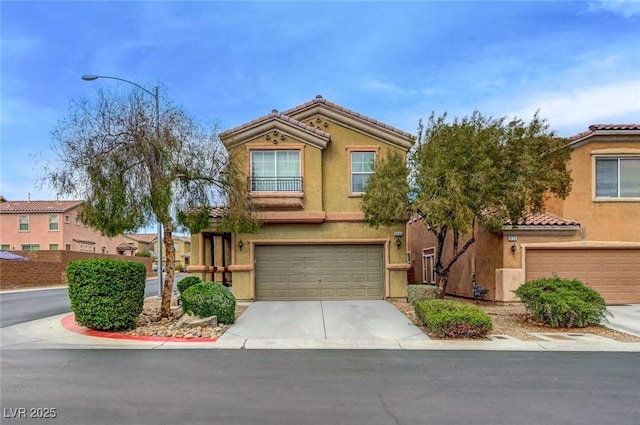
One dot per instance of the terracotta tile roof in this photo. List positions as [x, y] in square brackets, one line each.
[126, 247]
[544, 219]
[281, 116]
[217, 212]
[319, 99]
[37, 206]
[605, 127]
[143, 237]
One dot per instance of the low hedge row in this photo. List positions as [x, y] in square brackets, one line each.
[453, 319]
[417, 293]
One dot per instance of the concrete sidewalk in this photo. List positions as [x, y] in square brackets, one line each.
[302, 326]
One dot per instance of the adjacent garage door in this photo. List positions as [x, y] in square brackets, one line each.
[615, 273]
[319, 272]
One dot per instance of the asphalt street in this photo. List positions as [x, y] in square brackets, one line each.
[24, 306]
[319, 387]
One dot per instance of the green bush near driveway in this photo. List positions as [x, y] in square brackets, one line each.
[187, 282]
[106, 294]
[417, 293]
[453, 319]
[207, 299]
[562, 302]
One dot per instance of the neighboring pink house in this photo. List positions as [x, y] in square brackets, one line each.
[53, 226]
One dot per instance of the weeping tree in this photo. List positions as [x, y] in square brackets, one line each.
[470, 171]
[134, 165]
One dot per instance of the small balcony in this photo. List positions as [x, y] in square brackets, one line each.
[275, 184]
[282, 193]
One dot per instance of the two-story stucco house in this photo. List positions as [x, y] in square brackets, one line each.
[51, 226]
[306, 169]
[593, 235]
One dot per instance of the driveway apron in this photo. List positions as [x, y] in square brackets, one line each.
[324, 320]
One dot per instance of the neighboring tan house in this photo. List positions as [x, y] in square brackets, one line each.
[593, 235]
[51, 226]
[144, 243]
[147, 243]
[182, 245]
[306, 169]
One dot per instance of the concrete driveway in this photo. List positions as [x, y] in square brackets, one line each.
[319, 321]
[626, 318]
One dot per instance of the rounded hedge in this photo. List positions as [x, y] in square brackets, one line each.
[453, 319]
[106, 294]
[562, 302]
[207, 299]
[187, 282]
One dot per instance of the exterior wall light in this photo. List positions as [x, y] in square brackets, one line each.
[513, 248]
[398, 235]
[240, 244]
[398, 243]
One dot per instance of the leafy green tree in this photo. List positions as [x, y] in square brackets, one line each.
[471, 171]
[132, 171]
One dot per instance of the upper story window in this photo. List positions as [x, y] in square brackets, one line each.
[23, 222]
[361, 170]
[618, 178]
[275, 171]
[54, 222]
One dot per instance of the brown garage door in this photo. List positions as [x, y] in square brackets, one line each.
[615, 273]
[319, 272]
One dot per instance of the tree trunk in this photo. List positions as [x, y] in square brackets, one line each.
[441, 282]
[170, 257]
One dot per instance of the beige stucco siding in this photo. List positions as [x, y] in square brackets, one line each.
[600, 220]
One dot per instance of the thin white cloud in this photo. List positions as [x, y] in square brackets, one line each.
[585, 105]
[626, 8]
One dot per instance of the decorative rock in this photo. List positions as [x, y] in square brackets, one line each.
[190, 321]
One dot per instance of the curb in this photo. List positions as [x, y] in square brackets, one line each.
[69, 323]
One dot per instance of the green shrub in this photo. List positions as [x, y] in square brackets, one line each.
[143, 254]
[562, 302]
[183, 284]
[179, 267]
[209, 299]
[453, 319]
[106, 294]
[417, 293]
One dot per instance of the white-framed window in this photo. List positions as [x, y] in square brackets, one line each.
[429, 266]
[361, 170]
[54, 222]
[77, 220]
[176, 247]
[409, 257]
[23, 222]
[30, 247]
[53, 247]
[5, 247]
[618, 177]
[275, 171]
[67, 219]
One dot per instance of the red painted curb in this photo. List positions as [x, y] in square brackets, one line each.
[69, 323]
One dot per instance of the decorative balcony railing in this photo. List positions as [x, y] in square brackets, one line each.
[275, 184]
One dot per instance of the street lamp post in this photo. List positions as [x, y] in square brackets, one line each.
[156, 96]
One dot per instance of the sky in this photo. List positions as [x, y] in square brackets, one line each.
[576, 62]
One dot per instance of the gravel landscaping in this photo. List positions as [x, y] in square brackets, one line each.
[512, 320]
[150, 324]
[509, 319]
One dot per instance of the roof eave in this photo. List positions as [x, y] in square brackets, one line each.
[288, 126]
[354, 121]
